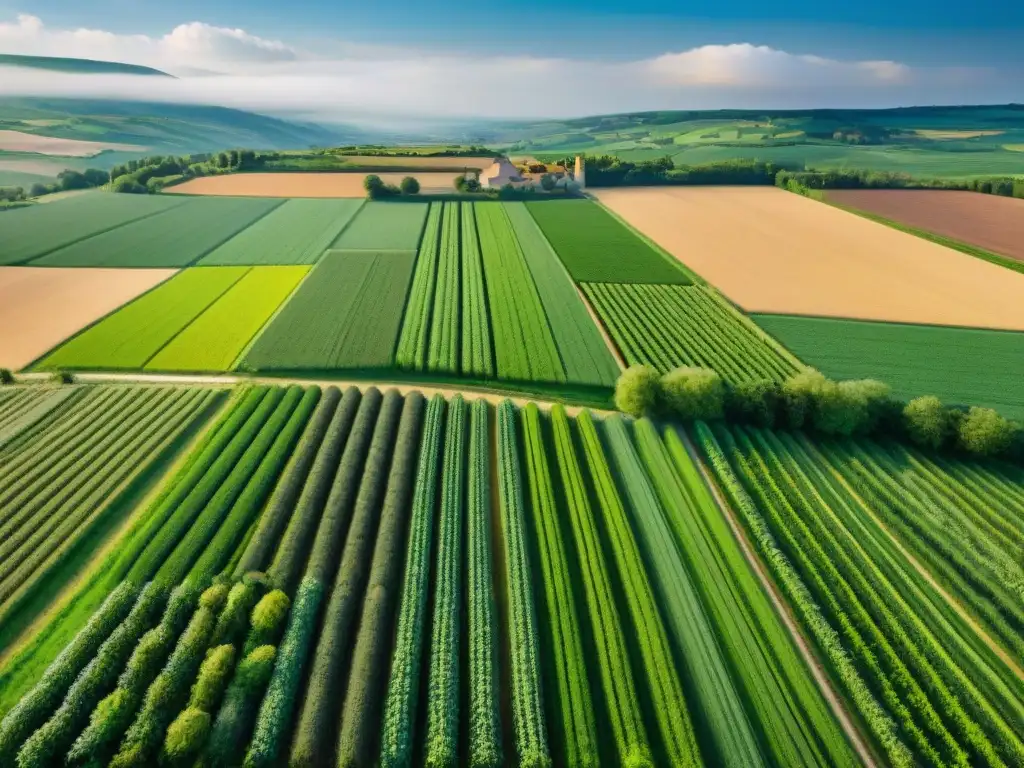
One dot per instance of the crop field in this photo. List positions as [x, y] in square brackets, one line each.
[297, 232]
[346, 315]
[597, 248]
[298, 185]
[35, 231]
[176, 237]
[384, 227]
[49, 305]
[62, 475]
[988, 221]
[215, 339]
[669, 326]
[773, 251]
[445, 583]
[964, 366]
[902, 567]
[130, 337]
[581, 347]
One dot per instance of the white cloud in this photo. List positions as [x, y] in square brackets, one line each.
[231, 67]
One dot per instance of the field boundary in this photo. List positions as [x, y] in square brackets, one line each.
[846, 718]
[748, 321]
[208, 251]
[609, 342]
[875, 321]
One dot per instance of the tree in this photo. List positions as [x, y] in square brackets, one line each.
[409, 186]
[690, 394]
[754, 402]
[72, 180]
[547, 182]
[373, 184]
[222, 160]
[984, 432]
[636, 391]
[460, 182]
[38, 190]
[94, 177]
[928, 422]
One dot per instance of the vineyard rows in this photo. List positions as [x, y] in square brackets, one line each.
[839, 522]
[668, 327]
[334, 579]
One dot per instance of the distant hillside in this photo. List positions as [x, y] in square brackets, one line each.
[80, 66]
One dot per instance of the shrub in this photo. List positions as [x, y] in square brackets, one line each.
[928, 422]
[797, 397]
[755, 402]
[214, 597]
[693, 393]
[268, 620]
[984, 432]
[547, 182]
[234, 720]
[6, 377]
[186, 735]
[636, 391]
[213, 677]
[409, 186]
[62, 377]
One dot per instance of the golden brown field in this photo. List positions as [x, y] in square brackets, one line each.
[16, 141]
[455, 163]
[40, 306]
[774, 251]
[303, 184]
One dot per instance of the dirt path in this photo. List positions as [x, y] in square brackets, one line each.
[835, 701]
[404, 387]
[925, 574]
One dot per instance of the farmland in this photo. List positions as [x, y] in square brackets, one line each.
[963, 366]
[793, 255]
[384, 227]
[175, 237]
[899, 565]
[373, 517]
[33, 232]
[49, 305]
[668, 327]
[595, 247]
[297, 232]
[986, 221]
[298, 185]
[346, 314]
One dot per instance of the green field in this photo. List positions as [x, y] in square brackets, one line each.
[596, 247]
[346, 315]
[175, 238]
[297, 232]
[132, 335]
[384, 227]
[669, 326]
[32, 232]
[960, 365]
[215, 339]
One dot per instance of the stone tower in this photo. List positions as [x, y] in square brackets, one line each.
[580, 173]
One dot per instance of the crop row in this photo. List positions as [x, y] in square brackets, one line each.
[414, 342]
[670, 327]
[914, 666]
[477, 351]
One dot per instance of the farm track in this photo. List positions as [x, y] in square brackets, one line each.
[825, 684]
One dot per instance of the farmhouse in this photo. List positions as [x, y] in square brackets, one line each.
[500, 173]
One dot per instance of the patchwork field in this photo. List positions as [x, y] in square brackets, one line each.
[215, 339]
[384, 227]
[297, 232]
[16, 141]
[131, 336]
[773, 251]
[346, 314]
[428, 566]
[668, 327]
[960, 365]
[35, 231]
[303, 184]
[991, 222]
[174, 238]
[596, 248]
[39, 307]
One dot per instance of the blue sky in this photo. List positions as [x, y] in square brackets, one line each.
[544, 58]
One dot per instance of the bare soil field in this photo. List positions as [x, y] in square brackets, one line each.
[16, 141]
[40, 307]
[991, 222]
[774, 251]
[455, 163]
[302, 184]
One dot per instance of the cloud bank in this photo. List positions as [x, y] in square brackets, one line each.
[243, 70]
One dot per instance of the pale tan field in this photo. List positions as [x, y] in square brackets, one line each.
[455, 163]
[40, 307]
[303, 184]
[774, 251]
[16, 141]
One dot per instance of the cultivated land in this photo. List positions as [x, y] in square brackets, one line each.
[773, 251]
[16, 141]
[988, 221]
[303, 184]
[455, 163]
[960, 365]
[384, 227]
